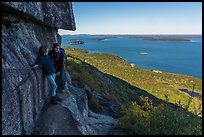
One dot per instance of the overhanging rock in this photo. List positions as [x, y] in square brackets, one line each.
[53, 14]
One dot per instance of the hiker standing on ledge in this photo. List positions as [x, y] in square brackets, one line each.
[57, 55]
[43, 61]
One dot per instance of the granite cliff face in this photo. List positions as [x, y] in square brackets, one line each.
[25, 92]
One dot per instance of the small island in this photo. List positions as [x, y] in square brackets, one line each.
[76, 42]
[143, 53]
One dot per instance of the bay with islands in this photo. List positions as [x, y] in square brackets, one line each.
[181, 54]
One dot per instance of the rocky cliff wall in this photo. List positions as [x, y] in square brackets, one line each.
[25, 27]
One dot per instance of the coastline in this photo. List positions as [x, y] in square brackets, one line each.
[153, 59]
[135, 64]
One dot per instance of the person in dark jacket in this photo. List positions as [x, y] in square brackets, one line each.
[58, 57]
[43, 61]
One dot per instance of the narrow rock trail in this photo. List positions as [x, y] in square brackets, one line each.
[72, 116]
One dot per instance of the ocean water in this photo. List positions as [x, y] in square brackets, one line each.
[174, 57]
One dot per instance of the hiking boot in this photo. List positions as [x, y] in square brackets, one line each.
[58, 98]
[61, 91]
[53, 100]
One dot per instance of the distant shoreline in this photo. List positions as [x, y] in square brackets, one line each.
[149, 37]
[168, 39]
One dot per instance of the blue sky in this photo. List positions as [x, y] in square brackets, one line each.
[137, 18]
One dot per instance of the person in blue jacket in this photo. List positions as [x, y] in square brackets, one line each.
[44, 62]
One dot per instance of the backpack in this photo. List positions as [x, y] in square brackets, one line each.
[56, 58]
[62, 51]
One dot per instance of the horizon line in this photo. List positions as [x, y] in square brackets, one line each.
[126, 34]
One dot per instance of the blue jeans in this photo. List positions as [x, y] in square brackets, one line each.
[51, 79]
[60, 80]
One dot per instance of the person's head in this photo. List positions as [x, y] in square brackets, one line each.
[56, 47]
[43, 50]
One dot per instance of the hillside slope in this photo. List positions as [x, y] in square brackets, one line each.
[136, 89]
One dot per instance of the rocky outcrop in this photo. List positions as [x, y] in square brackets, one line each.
[25, 92]
[89, 123]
